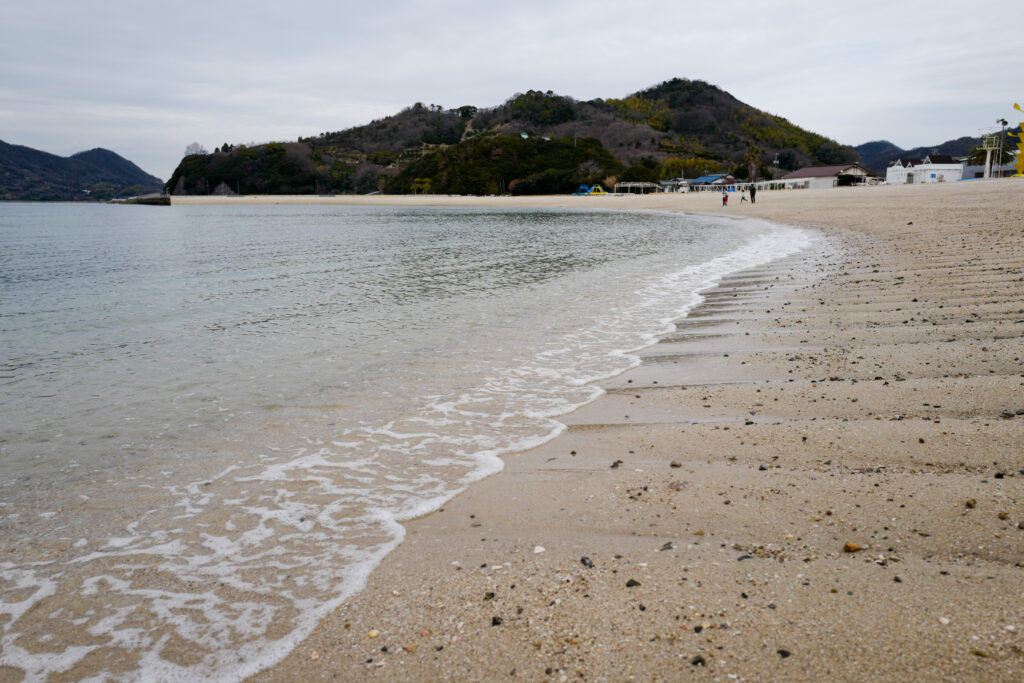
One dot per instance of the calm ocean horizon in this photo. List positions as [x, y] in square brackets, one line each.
[215, 418]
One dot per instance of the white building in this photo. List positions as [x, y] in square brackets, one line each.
[818, 177]
[973, 171]
[934, 168]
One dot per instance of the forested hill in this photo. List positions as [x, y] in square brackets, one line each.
[535, 142]
[880, 154]
[96, 175]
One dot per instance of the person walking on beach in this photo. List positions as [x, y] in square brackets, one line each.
[743, 196]
[753, 191]
[725, 198]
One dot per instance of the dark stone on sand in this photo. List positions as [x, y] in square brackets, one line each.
[784, 653]
[587, 562]
[744, 557]
[632, 583]
[897, 579]
[1000, 475]
[616, 464]
[496, 621]
[762, 468]
[698, 661]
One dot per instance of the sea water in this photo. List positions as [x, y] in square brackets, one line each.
[213, 420]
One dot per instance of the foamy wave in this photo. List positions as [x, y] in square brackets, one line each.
[275, 544]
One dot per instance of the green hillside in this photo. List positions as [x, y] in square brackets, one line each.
[28, 174]
[535, 142]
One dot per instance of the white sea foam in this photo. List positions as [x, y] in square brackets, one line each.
[286, 537]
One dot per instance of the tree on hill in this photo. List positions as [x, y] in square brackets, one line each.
[523, 166]
[679, 127]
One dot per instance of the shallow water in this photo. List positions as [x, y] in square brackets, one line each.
[214, 418]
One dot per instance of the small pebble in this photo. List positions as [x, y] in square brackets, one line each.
[496, 621]
[675, 464]
[632, 583]
[587, 562]
[851, 547]
[537, 550]
[698, 661]
[784, 653]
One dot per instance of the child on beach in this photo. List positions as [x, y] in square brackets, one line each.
[725, 199]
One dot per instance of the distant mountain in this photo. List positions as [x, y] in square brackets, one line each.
[96, 175]
[880, 154]
[536, 142]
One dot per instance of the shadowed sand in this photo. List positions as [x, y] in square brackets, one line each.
[818, 475]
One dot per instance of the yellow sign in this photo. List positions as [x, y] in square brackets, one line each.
[1019, 163]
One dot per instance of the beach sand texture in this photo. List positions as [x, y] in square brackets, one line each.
[818, 476]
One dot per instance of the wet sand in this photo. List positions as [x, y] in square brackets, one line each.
[818, 475]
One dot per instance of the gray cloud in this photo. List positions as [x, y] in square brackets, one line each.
[146, 81]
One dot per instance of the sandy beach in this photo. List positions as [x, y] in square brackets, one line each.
[818, 475]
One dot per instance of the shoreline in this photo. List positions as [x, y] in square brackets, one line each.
[862, 401]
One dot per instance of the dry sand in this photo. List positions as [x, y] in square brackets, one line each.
[818, 476]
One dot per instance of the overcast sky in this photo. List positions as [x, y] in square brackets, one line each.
[145, 79]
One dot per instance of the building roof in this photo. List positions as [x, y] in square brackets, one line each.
[907, 161]
[824, 171]
[939, 159]
[707, 179]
